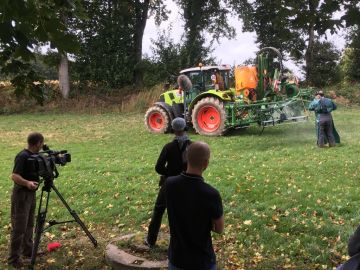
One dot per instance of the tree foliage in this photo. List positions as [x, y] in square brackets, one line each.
[106, 43]
[167, 57]
[325, 70]
[351, 57]
[203, 17]
[24, 25]
[111, 40]
[293, 26]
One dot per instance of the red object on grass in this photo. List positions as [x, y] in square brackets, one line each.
[52, 246]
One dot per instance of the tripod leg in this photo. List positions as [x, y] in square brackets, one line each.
[40, 222]
[82, 225]
[75, 216]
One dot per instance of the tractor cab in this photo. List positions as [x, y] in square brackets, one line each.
[205, 78]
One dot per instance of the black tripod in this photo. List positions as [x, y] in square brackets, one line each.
[40, 220]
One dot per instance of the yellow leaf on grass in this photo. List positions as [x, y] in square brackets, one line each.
[109, 206]
[247, 222]
[50, 260]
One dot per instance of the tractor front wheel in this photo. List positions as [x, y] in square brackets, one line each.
[209, 117]
[157, 120]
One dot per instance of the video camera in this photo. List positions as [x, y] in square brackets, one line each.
[44, 163]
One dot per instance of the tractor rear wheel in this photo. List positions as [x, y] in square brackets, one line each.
[209, 117]
[157, 120]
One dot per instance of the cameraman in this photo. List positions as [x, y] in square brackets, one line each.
[23, 201]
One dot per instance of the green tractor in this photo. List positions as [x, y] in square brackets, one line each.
[263, 94]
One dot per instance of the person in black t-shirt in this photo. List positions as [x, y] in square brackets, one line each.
[171, 162]
[194, 210]
[354, 252]
[23, 201]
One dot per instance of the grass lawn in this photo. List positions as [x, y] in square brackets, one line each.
[288, 204]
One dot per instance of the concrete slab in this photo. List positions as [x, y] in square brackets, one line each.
[118, 259]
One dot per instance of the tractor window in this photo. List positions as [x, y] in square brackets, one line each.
[225, 76]
[209, 84]
[196, 79]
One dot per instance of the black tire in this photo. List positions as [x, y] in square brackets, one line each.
[208, 117]
[157, 120]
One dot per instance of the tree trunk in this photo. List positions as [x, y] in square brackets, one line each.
[64, 83]
[309, 54]
[141, 11]
[193, 15]
[310, 48]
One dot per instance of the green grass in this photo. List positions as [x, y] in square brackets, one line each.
[288, 204]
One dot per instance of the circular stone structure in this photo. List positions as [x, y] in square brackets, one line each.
[118, 259]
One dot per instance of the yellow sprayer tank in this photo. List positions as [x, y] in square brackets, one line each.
[245, 78]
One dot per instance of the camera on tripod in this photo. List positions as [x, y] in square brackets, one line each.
[44, 163]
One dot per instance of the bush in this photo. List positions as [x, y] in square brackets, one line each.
[346, 93]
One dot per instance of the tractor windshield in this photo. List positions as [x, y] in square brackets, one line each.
[196, 79]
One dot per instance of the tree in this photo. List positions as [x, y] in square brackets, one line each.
[167, 56]
[106, 45]
[351, 57]
[295, 25]
[325, 69]
[270, 21]
[111, 40]
[66, 16]
[64, 80]
[24, 25]
[201, 17]
[142, 9]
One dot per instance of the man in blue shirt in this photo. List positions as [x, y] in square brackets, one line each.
[194, 210]
[324, 122]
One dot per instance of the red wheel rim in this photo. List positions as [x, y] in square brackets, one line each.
[209, 118]
[156, 121]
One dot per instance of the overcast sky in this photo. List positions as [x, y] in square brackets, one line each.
[234, 51]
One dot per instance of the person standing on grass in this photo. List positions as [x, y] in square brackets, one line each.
[172, 161]
[325, 129]
[194, 210]
[23, 201]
